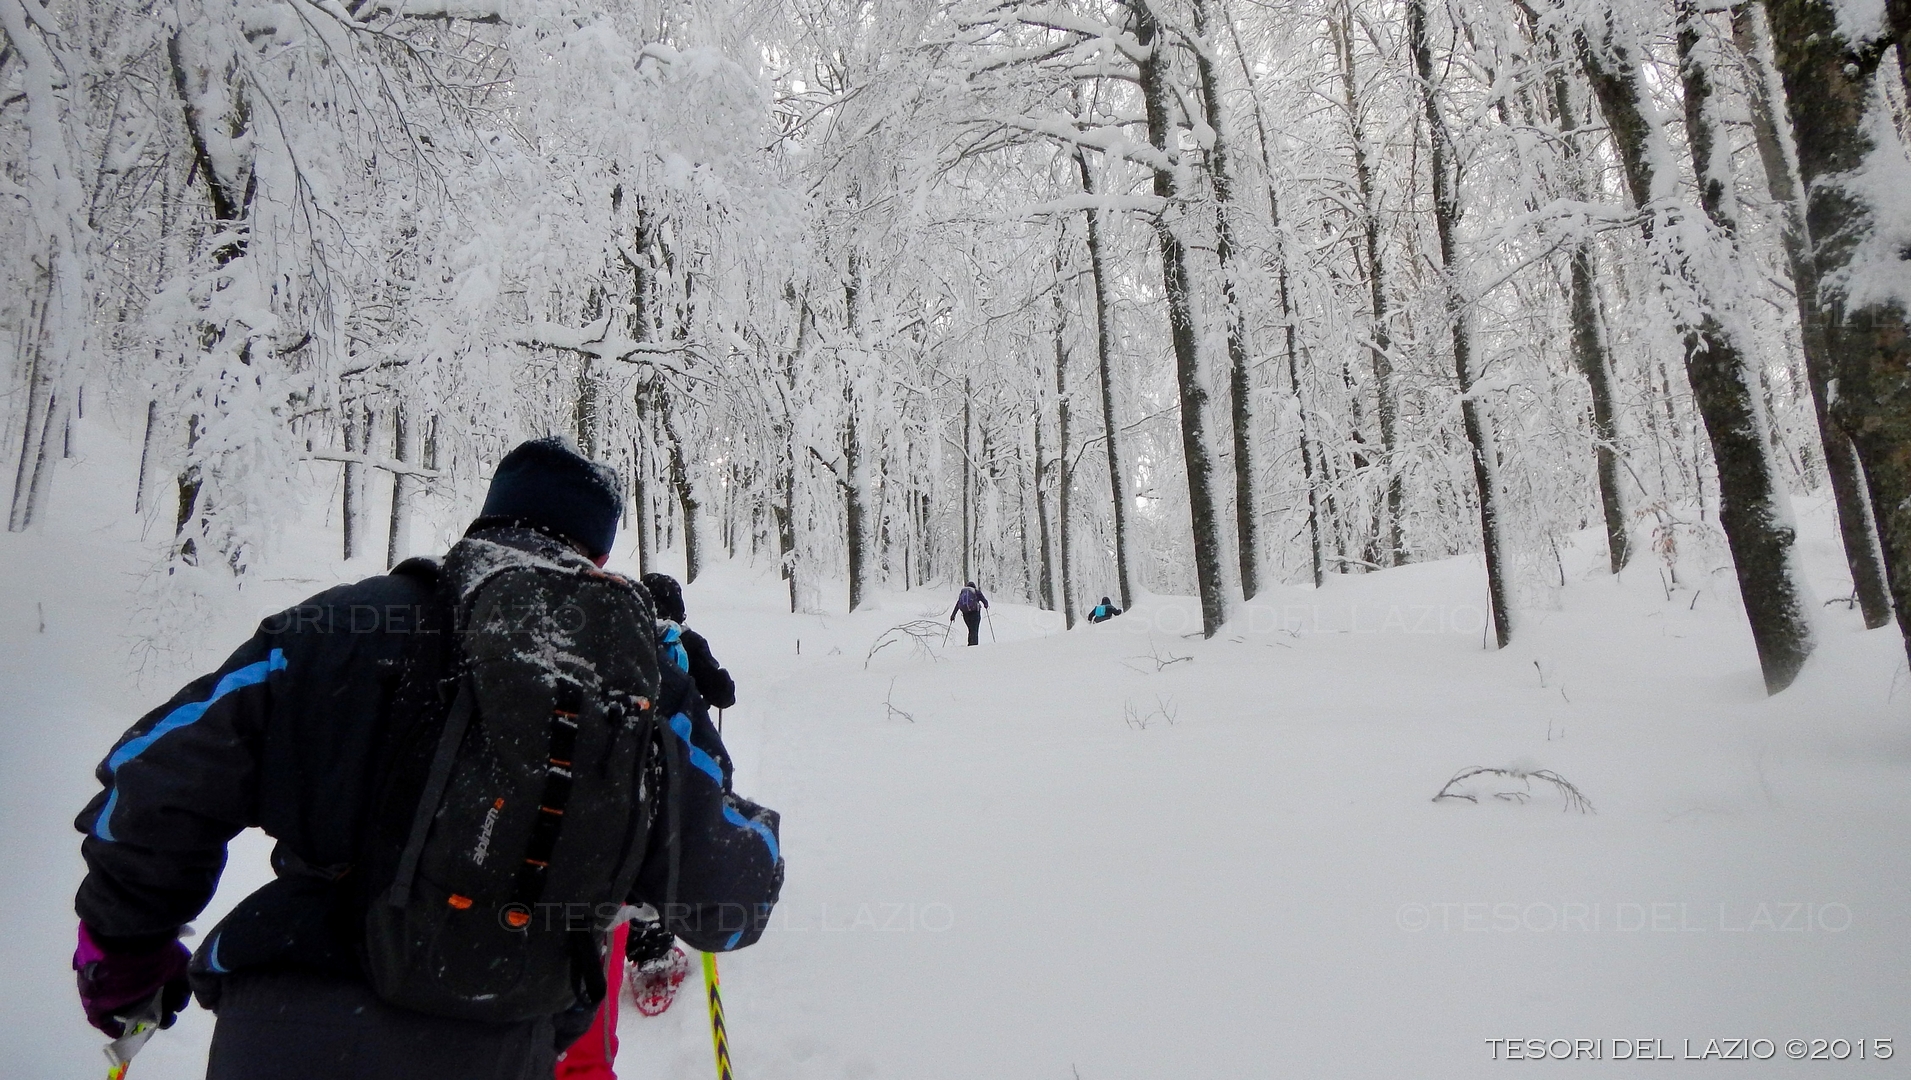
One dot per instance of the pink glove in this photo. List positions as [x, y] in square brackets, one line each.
[114, 983]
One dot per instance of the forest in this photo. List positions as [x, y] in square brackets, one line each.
[1081, 298]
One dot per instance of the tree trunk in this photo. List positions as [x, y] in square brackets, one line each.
[1104, 352]
[1278, 253]
[854, 530]
[641, 324]
[187, 486]
[352, 505]
[1898, 23]
[784, 512]
[1753, 507]
[1247, 517]
[1063, 474]
[1314, 545]
[230, 191]
[584, 413]
[1044, 588]
[1595, 362]
[1752, 511]
[29, 483]
[1855, 523]
[41, 480]
[1446, 216]
[855, 467]
[640, 502]
[1828, 86]
[925, 548]
[1197, 456]
[676, 460]
[1589, 344]
[1380, 344]
[685, 490]
[398, 533]
[45, 178]
[968, 479]
[1031, 559]
[146, 457]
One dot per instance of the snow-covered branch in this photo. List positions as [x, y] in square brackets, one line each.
[597, 341]
[390, 465]
[476, 11]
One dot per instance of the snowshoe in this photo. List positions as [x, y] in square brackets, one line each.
[653, 983]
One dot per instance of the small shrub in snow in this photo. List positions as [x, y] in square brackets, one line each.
[1165, 710]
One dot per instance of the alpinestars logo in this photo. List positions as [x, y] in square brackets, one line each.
[484, 834]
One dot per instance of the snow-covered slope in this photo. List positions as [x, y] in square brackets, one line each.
[1124, 852]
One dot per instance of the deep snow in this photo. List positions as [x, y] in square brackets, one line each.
[1034, 873]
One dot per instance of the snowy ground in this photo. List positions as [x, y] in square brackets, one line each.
[1076, 855]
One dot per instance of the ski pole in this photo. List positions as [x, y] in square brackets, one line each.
[991, 615]
[139, 1027]
[719, 1037]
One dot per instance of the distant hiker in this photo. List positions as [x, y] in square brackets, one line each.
[969, 605]
[686, 646]
[1103, 611]
[425, 920]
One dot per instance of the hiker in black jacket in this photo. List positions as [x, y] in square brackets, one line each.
[655, 963]
[718, 689]
[289, 735]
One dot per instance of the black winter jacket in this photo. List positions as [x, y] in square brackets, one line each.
[718, 690]
[286, 736]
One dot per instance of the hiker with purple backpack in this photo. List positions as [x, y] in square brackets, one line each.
[969, 605]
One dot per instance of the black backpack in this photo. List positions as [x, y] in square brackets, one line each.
[514, 809]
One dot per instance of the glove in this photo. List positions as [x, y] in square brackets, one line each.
[117, 980]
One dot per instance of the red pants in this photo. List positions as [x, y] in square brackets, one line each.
[590, 1057]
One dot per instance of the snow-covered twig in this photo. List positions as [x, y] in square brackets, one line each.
[598, 341]
[922, 634]
[889, 705]
[1165, 709]
[1575, 800]
[390, 465]
[1161, 662]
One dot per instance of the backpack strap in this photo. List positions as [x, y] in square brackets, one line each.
[442, 761]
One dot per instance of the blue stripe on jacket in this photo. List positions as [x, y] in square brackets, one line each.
[237, 679]
[707, 765]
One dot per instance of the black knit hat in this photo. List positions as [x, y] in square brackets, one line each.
[546, 483]
[667, 595]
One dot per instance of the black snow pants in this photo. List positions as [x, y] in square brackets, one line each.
[974, 619]
[286, 1025]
